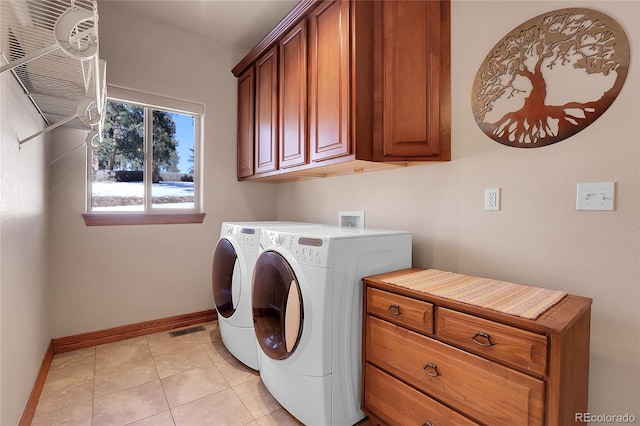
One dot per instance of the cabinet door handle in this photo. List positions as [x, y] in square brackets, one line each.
[486, 339]
[394, 309]
[431, 370]
[427, 423]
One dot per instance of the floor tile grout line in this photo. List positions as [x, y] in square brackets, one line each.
[166, 398]
[243, 404]
[155, 367]
[171, 409]
[229, 387]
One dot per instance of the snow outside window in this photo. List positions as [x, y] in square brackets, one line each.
[148, 161]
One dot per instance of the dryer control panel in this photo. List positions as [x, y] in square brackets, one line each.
[245, 237]
[306, 250]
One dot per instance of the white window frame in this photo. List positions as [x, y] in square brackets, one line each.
[150, 215]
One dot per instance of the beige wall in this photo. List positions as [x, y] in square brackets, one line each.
[104, 277]
[537, 237]
[108, 276]
[24, 312]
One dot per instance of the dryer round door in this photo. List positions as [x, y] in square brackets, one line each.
[226, 278]
[277, 306]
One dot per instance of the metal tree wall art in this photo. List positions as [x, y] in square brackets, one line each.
[550, 77]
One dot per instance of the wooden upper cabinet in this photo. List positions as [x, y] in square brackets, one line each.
[343, 86]
[329, 80]
[246, 102]
[266, 114]
[293, 97]
[412, 81]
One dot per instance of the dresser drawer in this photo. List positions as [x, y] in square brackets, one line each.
[511, 345]
[403, 405]
[486, 391]
[412, 313]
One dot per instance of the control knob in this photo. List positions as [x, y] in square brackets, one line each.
[276, 238]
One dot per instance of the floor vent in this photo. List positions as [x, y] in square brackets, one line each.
[186, 331]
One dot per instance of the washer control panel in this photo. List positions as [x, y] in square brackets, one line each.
[306, 250]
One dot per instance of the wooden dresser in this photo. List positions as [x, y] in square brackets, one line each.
[431, 360]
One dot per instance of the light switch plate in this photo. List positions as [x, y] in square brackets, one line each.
[595, 196]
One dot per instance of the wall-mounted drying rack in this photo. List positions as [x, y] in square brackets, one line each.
[51, 47]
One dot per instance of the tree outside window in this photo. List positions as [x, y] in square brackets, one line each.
[131, 172]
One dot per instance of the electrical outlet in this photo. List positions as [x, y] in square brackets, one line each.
[492, 198]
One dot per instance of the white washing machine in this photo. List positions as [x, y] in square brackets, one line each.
[307, 312]
[233, 261]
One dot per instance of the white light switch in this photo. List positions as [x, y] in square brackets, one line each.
[595, 196]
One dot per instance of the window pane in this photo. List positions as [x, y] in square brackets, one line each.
[147, 161]
[118, 165]
[173, 160]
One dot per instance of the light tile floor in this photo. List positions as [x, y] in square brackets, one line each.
[157, 380]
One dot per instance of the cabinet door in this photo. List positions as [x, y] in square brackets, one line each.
[329, 80]
[413, 84]
[267, 112]
[293, 97]
[246, 97]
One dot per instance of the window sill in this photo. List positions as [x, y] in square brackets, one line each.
[117, 219]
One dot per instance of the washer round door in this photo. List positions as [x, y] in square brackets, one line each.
[226, 278]
[277, 306]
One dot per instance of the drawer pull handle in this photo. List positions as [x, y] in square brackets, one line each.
[431, 370]
[427, 423]
[485, 343]
[394, 309]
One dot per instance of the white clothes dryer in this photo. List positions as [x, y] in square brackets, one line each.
[233, 261]
[307, 312]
